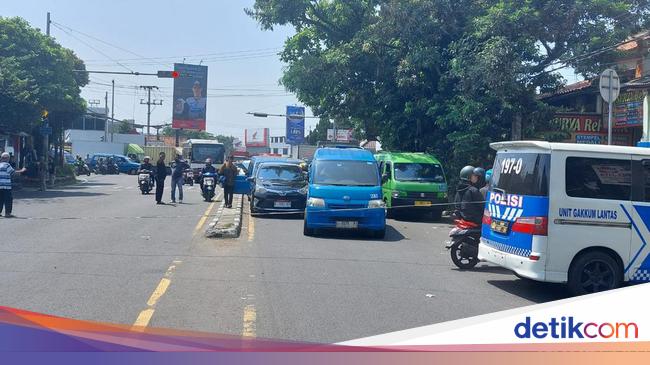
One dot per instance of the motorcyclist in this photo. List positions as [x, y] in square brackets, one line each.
[101, 168]
[468, 199]
[208, 168]
[147, 166]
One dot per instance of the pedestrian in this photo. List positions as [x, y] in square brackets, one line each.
[229, 171]
[178, 167]
[161, 174]
[6, 174]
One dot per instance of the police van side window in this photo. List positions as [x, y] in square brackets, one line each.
[598, 178]
[642, 181]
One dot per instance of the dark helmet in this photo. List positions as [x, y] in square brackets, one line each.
[466, 172]
[480, 172]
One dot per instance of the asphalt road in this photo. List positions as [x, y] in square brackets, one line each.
[101, 251]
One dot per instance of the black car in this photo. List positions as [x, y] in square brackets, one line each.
[278, 187]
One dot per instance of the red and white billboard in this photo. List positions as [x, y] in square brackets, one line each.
[256, 137]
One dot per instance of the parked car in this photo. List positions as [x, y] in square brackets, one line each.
[124, 164]
[413, 179]
[344, 192]
[278, 187]
[257, 160]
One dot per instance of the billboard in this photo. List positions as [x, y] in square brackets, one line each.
[295, 124]
[256, 137]
[190, 96]
[342, 135]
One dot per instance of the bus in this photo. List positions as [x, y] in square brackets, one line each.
[196, 151]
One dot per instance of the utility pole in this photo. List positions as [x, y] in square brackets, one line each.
[112, 108]
[148, 104]
[47, 27]
[106, 120]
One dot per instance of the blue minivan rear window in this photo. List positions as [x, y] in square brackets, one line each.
[521, 173]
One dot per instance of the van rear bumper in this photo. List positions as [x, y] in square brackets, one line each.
[522, 266]
[370, 218]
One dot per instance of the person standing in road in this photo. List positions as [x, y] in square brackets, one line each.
[229, 172]
[178, 166]
[6, 173]
[161, 174]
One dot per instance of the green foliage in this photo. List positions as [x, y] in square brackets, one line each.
[36, 74]
[124, 127]
[443, 76]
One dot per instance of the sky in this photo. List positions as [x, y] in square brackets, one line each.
[147, 36]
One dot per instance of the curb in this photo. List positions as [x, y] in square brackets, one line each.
[228, 225]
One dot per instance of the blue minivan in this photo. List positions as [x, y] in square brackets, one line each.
[344, 192]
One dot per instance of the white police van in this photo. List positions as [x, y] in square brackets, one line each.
[569, 213]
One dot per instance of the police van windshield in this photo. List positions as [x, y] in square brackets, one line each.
[521, 173]
[346, 173]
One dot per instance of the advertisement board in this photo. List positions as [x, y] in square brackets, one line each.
[342, 135]
[256, 137]
[295, 124]
[190, 97]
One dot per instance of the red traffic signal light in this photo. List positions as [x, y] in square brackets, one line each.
[168, 74]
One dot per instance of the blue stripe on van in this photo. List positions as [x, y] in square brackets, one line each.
[637, 232]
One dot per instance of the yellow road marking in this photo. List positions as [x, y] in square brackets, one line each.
[251, 228]
[250, 316]
[160, 290]
[203, 218]
[145, 316]
[143, 320]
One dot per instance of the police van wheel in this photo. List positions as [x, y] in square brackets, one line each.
[594, 272]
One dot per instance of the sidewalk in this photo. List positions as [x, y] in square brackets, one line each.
[227, 222]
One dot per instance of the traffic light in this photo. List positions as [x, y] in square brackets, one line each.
[168, 74]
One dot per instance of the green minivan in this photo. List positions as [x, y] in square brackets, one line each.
[412, 179]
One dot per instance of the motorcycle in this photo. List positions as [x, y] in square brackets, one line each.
[82, 169]
[112, 169]
[463, 245]
[100, 169]
[145, 181]
[188, 177]
[209, 180]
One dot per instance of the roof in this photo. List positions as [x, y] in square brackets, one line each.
[343, 154]
[409, 157]
[550, 146]
[580, 85]
[279, 163]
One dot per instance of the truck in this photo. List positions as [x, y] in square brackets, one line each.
[303, 151]
[154, 151]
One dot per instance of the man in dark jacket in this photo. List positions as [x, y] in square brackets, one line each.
[229, 172]
[178, 166]
[468, 200]
[161, 174]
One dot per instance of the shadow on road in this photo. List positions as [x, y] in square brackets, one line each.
[538, 292]
[416, 217]
[392, 235]
[53, 194]
[482, 269]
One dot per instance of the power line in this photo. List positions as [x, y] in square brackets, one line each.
[91, 47]
[196, 56]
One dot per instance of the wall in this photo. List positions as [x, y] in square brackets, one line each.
[84, 148]
[72, 135]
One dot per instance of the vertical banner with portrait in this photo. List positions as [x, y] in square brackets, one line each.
[190, 97]
[295, 124]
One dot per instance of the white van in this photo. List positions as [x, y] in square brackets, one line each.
[569, 213]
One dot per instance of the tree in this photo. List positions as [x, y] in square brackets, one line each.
[124, 127]
[443, 76]
[36, 74]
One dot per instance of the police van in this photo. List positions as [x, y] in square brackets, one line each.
[569, 213]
